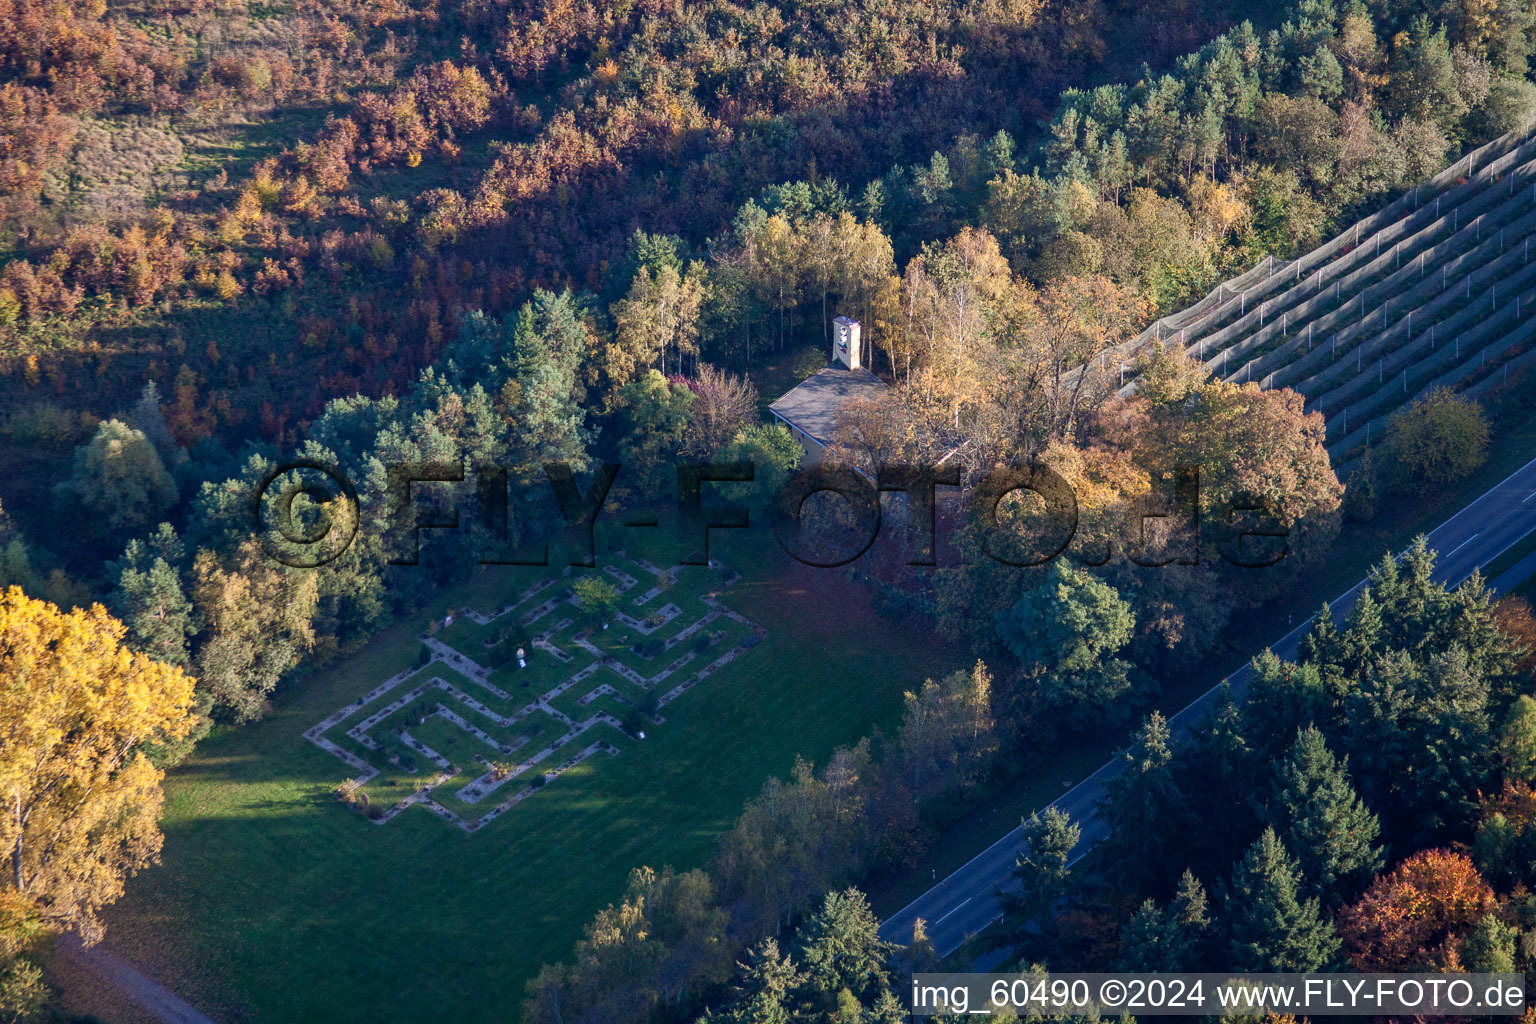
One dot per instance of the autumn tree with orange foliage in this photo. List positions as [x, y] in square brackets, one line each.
[1411, 917]
[1516, 621]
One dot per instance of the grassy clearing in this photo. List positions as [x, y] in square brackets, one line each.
[276, 903]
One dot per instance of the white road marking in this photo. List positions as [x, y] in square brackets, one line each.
[1458, 547]
[957, 907]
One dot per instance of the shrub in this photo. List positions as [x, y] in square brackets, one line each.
[1360, 490]
[1509, 107]
[1436, 439]
[599, 599]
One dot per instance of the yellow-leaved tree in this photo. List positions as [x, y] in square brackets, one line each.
[79, 801]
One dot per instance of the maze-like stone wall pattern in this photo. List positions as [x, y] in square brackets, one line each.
[581, 678]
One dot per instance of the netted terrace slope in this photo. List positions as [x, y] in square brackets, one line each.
[1432, 291]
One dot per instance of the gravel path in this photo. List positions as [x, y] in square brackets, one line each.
[154, 997]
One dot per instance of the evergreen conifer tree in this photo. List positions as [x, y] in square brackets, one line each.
[1269, 927]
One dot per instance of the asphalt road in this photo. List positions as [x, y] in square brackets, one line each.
[965, 902]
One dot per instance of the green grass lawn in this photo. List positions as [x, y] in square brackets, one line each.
[277, 903]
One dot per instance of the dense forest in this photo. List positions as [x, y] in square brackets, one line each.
[502, 233]
[984, 272]
[440, 148]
